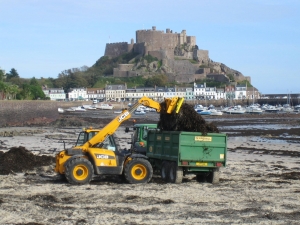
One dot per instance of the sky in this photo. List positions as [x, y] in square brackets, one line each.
[259, 38]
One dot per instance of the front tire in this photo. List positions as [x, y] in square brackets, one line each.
[79, 171]
[175, 173]
[138, 170]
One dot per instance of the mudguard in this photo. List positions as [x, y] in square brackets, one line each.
[138, 156]
[74, 156]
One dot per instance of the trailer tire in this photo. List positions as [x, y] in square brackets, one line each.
[79, 171]
[175, 173]
[138, 170]
[164, 171]
[214, 177]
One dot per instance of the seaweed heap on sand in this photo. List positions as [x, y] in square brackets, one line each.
[18, 159]
[187, 119]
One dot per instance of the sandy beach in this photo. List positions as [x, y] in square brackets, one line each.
[259, 185]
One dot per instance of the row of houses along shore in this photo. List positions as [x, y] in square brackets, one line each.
[122, 93]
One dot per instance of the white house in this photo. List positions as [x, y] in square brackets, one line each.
[75, 94]
[97, 94]
[210, 92]
[220, 93]
[240, 91]
[132, 94]
[115, 92]
[55, 94]
[199, 90]
[169, 92]
[180, 92]
[159, 93]
[185, 92]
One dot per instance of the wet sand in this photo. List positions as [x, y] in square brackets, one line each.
[260, 184]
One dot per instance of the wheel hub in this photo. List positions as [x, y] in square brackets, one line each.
[138, 172]
[79, 172]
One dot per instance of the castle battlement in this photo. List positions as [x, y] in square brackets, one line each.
[152, 41]
[149, 30]
[124, 42]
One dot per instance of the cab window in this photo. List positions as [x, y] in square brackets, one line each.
[84, 137]
[109, 144]
[136, 134]
[145, 132]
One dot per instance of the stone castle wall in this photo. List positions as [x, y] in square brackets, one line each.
[139, 48]
[181, 78]
[116, 49]
[125, 67]
[201, 55]
[179, 66]
[18, 113]
[161, 54]
[156, 40]
[118, 73]
[218, 77]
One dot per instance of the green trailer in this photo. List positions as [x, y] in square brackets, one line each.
[176, 154]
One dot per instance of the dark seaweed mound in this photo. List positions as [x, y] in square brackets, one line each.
[18, 159]
[187, 119]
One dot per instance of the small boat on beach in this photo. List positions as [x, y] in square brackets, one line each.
[61, 110]
[89, 107]
[214, 112]
[254, 109]
[104, 106]
[204, 112]
[271, 108]
[236, 110]
[72, 109]
[139, 112]
[79, 109]
[118, 111]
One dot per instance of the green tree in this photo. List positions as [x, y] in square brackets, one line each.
[1, 75]
[3, 90]
[33, 81]
[25, 92]
[231, 77]
[12, 91]
[12, 74]
[157, 80]
[36, 92]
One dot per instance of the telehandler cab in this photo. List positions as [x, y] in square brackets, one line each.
[97, 151]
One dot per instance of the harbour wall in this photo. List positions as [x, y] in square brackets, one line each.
[19, 113]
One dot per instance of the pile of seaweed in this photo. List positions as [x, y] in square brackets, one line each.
[187, 119]
[18, 159]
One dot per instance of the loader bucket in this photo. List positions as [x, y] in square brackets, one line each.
[174, 103]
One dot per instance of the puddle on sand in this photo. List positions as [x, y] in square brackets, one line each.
[258, 139]
[258, 127]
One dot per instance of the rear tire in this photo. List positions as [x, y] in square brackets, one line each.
[214, 177]
[79, 171]
[164, 171]
[138, 170]
[175, 173]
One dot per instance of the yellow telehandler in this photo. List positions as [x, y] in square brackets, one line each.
[97, 150]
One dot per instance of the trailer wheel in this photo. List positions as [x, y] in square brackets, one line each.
[175, 173]
[79, 171]
[138, 170]
[213, 177]
[164, 171]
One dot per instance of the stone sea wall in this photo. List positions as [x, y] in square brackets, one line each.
[18, 113]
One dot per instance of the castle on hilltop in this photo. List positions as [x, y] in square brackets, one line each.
[181, 59]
